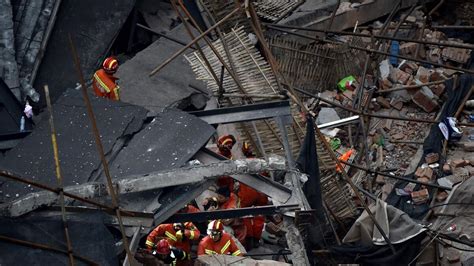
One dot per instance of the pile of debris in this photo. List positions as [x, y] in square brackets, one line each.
[239, 134]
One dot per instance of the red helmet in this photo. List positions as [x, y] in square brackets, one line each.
[215, 225]
[163, 247]
[110, 65]
[226, 140]
[247, 149]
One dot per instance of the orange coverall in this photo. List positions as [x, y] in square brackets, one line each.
[167, 231]
[240, 230]
[105, 85]
[250, 197]
[225, 246]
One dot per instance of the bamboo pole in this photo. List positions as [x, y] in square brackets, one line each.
[182, 50]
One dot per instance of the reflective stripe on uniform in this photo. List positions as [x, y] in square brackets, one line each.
[171, 236]
[236, 253]
[101, 83]
[209, 252]
[225, 247]
[116, 92]
[192, 235]
[149, 243]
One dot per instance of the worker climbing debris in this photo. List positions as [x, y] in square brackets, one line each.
[178, 235]
[163, 253]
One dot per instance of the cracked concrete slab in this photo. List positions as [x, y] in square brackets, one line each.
[168, 142]
[33, 157]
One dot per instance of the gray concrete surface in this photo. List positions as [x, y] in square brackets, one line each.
[167, 87]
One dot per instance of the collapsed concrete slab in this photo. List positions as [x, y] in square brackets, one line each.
[145, 182]
[33, 157]
[93, 26]
[169, 86]
[168, 142]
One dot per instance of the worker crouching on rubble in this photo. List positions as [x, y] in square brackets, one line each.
[217, 241]
[179, 235]
[104, 81]
[168, 254]
[226, 200]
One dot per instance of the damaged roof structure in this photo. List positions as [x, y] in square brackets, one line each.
[359, 113]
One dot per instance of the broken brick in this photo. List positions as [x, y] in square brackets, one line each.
[410, 19]
[431, 158]
[399, 76]
[380, 179]
[398, 136]
[459, 163]
[386, 84]
[420, 197]
[424, 172]
[435, 36]
[387, 124]
[397, 104]
[423, 75]
[438, 89]
[408, 48]
[447, 169]
[423, 180]
[383, 102]
[441, 196]
[436, 76]
[375, 106]
[425, 101]
[458, 55]
[434, 54]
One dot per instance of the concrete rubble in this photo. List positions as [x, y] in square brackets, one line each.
[316, 132]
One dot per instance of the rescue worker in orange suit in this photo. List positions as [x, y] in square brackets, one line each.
[178, 235]
[189, 208]
[169, 254]
[228, 200]
[225, 144]
[104, 82]
[250, 197]
[217, 241]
